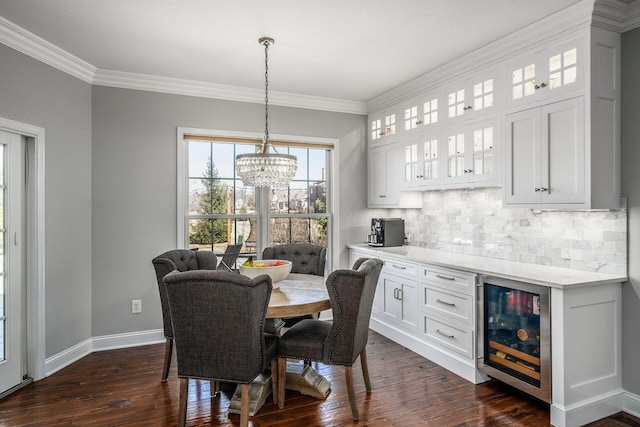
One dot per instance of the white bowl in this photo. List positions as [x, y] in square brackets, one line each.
[277, 273]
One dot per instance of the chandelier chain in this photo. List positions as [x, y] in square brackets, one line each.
[266, 93]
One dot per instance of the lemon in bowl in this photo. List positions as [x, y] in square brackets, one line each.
[277, 269]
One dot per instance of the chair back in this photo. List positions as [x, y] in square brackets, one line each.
[218, 323]
[227, 263]
[351, 293]
[305, 258]
[181, 260]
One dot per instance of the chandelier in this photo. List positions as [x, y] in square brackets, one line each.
[265, 169]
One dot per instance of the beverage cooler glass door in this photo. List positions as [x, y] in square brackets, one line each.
[515, 335]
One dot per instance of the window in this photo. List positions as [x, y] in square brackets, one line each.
[218, 210]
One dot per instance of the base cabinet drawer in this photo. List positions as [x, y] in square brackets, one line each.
[452, 305]
[456, 338]
[449, 279]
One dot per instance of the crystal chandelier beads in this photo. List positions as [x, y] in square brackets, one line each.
[264, 169]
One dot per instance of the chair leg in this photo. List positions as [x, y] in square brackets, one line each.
[168, 349]
[348, 373]
[365, 369]
[282, 380]
[274, 380]
[244, 405]
[184, 394]
[214, 387]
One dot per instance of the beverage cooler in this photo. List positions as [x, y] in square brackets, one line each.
[514, 342]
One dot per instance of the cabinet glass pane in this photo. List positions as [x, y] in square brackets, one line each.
[430, 163]
[390, 125]
[430, 109]
[411, 118]
[483, 95]
[563, 68]
[483, 151]
[376, 129]
[456, 155]
[456, 103]
[523, 81]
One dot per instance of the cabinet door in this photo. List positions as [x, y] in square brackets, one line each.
[420, 113]
[421, 163]
[472, 97]
[522, 157]
[401, 303]
[382, 127]
[471, 154]
[563, 148]
[551, 72]
[545, 155]
[383, 176]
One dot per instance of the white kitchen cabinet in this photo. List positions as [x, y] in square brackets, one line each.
[448, 309]
[421, 113]
[383, 127]
[551, 72]
[421, 163]
[472, 97]
[384, 173]
[471, 154]
[545, 151]
[399, 285]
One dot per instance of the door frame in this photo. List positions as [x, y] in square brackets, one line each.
[35, 238]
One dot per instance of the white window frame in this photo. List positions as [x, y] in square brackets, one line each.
[182, 196]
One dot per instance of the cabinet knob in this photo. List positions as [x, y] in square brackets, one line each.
[541, 85]
[419, 122]
[468, 107]
[541, 189]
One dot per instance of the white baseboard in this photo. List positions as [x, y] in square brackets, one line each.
[65, 358]
[130, 339]
[631, 404]
[106, 342]
[587, 411]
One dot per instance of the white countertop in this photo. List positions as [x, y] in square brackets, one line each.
[555, 277]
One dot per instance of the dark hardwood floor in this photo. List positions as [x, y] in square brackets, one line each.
[123, 388]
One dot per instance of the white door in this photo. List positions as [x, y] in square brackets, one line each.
[11, 257]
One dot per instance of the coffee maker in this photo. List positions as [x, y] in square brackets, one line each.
[386, 232]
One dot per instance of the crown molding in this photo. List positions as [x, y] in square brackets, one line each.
[570, 19]
[175, 86]
[632, 18]
[38, 48]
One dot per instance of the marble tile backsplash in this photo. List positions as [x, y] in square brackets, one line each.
[474, 222]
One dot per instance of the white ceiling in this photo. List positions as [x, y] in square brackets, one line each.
[343, 49]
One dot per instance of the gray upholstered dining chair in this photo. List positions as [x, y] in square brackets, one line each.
[341, 341]
[306, 258]
[218, 323]
[181, 260]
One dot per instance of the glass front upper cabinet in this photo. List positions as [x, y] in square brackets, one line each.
[550, 72]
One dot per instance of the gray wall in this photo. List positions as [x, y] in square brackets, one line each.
[631, 189]
[34, 93]
[134, 186]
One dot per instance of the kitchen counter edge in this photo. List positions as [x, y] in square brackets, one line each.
[545, 275]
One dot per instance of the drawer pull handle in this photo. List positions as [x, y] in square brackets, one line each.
[444, 335]
[450, 304]
[440, 276]
[401, 267]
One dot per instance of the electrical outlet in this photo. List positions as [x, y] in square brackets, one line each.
[136, 306]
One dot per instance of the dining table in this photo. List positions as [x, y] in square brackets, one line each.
[296, 295]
